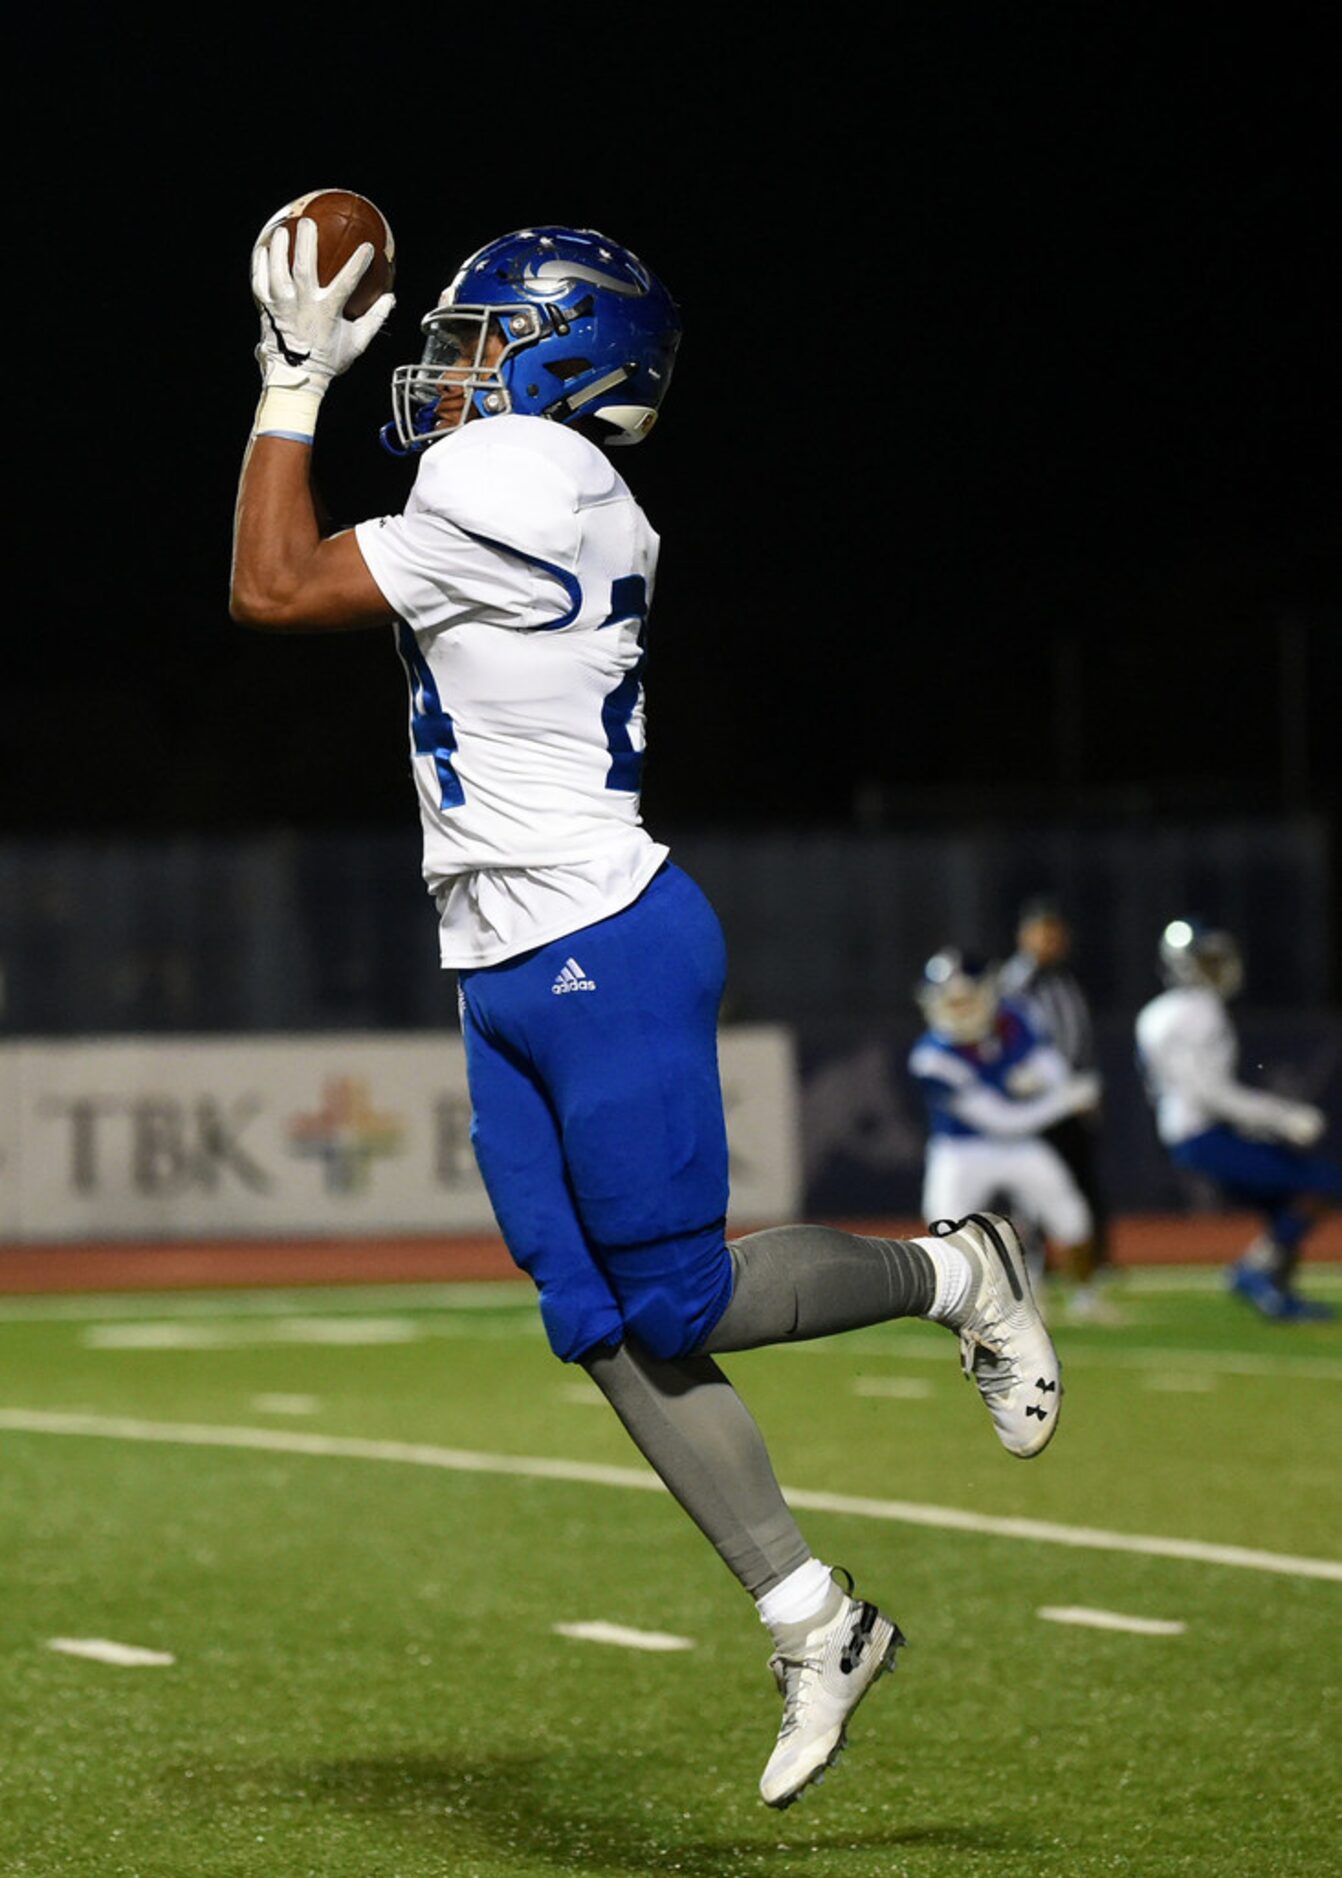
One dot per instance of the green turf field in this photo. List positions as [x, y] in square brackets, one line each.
[306, 1501]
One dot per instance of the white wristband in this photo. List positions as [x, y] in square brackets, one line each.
[288, 411]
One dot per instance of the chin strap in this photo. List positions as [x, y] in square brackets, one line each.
[391, 443]
[390, 436]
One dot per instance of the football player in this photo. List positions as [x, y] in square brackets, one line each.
[516, 585]
[1039, 976]
[1254, 1146]
[992, 1087]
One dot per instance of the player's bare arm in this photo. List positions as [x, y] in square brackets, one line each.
[287, 576]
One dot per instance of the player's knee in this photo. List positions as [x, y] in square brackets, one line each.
[575, 1324]
[672, 1295]
[661, 1323]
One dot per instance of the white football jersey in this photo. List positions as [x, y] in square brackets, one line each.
[521, 572]
[1188, 1052]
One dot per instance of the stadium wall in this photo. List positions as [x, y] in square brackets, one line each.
[181, 1139]
[323, 932]
[348, 1135]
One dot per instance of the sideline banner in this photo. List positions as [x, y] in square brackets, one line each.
[180, 1138]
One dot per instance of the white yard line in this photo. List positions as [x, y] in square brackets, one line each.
[598, 1632]
[258, 1332]
[220, 1336]
[339, 1328]
[1110, 1620]
[901, 1388]
[477, 1295]
[1218, 1362]
[1152, 1280]
[212, 1330]
[282, 1404]
[93, 1306]
[456, 1311]
[916, 1349]
[591, 1473]
[103, 1650]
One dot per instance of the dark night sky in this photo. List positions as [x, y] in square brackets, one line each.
[1008, 378]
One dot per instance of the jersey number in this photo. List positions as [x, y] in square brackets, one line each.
[628, 601]
[433, 734]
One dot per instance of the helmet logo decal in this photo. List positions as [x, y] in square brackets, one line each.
[555, 275]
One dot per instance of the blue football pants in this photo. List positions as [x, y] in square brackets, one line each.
[1268, 1177]
[597, 1121]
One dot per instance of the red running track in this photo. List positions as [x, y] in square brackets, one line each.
[1146, 1239]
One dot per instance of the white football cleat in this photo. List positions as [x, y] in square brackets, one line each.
[822, 1675]
[1004, 1347]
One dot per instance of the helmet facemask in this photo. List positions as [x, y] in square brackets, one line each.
[456, 340]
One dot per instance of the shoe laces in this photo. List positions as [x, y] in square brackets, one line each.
[983, 1349]
[790, 1667]
[788, 1674]
[984, 1361]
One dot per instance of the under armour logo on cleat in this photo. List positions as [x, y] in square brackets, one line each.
[572, 977]
[856, 1646]
[1042, 1413]
[1041, 1383]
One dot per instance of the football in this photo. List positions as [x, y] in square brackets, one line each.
[345, 220]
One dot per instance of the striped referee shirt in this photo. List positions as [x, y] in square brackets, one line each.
[1056, 1002]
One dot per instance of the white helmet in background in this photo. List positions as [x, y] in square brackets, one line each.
[1194, 953]
[958, 994]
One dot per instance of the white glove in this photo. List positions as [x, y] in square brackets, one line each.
[1301, 1124]
[306, 341]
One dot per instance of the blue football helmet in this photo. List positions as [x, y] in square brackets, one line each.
[959, 995]
[587, 331]
[1195, 953]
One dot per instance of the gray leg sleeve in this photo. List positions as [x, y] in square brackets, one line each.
[797, 1282]
[698, 1435]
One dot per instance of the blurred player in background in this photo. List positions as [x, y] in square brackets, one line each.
[516, 583]
[1254, 1146]
[993, 1088]
[1039, 976]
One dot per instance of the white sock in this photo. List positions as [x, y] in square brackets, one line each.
[1263, 1255]
[954, 1273]
[798, 1596]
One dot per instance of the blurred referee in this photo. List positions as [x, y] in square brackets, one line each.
[1038, 975]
